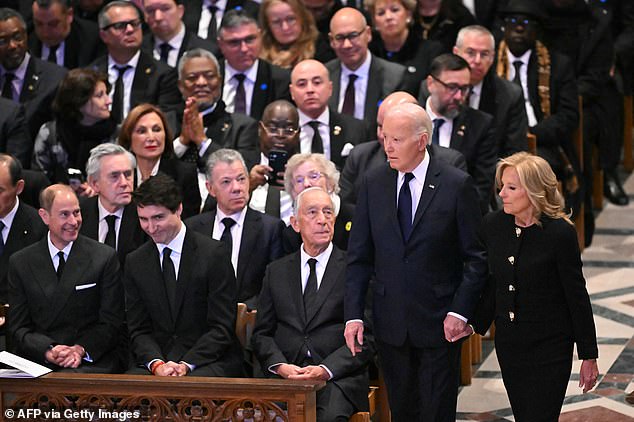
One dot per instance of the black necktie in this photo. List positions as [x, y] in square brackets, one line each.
[117, 98]
[435, 137]
[405, 207]
[165, 51]
[169, 277]
[1, 238]
[213, 24]
[272, 204]
[517, 64]
[60, 264]
[7, 88]
[317, 144]
[310, 291]
[52, 54]
[348, 99]
[111, 236]
[241, 96]
[226, 234]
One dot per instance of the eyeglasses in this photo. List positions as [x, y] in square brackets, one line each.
[237, 42]
[274, 130]
[313, 176]
[485, 55]
[289, 20]
[192, 78]
[454, 88]
[123, 25]
[519, 22]
[353, 37]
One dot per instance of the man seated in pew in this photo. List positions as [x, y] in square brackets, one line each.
[180, 293]
[65, 295]
[252, 239]
[300, 321]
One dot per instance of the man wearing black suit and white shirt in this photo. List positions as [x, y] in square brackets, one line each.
[20, 225]
[168, 38]
[180, 293]
[110, 217]
[66, 300]
[242, 229]
[240, 40]
[204, 16]
[459, 127]
[135, 77]
[297, 334]
[323, 130]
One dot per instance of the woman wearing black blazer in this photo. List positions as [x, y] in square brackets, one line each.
[145, 133]
[536, 294]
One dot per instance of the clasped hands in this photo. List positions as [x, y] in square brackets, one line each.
[294, 372]
[65, 356]
[171, 369]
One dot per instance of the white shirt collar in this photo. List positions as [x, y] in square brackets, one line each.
[103, 212]
[8, 219]
[420, 172]
[322, 258]
[52, 249]
[323, 118]
[251, 73]
[524, 58]
[133, 62]
[175, 244]
[237, 217]
[20, 71]
[175, 42]
[362, 71]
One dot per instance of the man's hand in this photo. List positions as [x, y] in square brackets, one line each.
[192, 129]
[165, 370]
[588, 374]
[311, 372]
[65, 356]
[180, 369]
[286, 370]
[259, 175]
[455, 328]
[354, 337]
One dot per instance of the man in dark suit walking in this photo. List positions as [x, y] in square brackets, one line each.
[415, 235]
[66, 300]
[110, 217]
[180, 293]
[300, 319]
[323, 130]
[242, 229]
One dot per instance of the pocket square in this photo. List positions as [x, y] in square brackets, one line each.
[85, 286]
[345, 151]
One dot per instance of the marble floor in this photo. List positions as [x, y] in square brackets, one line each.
[609, 272]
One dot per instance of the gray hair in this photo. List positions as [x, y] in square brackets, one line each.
[193, 53]
[224, 155]
[298, 200]
[93, 165]
[474, 29]
[103, 18]
[234, 19]
[330, 171]
[7, 13]
[420, 121]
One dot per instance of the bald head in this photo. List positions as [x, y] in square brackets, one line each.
[398, 97]
[311, 87]
[349, 37]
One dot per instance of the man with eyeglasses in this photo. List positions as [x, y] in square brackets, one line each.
[135, 77]
[168, 38]
[62, 38]
[360, 79]
[496, 96]
[241, 229]
[25, 80]
[250, 83]
[324, 130]
[457, 126]
[204, 16]
[279, 132]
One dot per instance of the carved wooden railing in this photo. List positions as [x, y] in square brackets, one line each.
[83, 397]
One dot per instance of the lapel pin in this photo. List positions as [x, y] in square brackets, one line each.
[35, 77]
[349, 226]
[225, 127]
[148, 70]
[432, 186]
[26, 232]
[512, 260]
[336, 130]
[31, 88]
[511, 288]
[518, 231]
[264, 87]
[461, 130]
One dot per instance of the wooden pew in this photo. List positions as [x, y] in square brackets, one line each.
[163, 398]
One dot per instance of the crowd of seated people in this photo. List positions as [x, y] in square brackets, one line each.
[184, 142]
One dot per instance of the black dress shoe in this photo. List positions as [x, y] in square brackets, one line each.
[613, 190]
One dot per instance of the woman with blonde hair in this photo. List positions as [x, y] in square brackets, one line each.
[289, 34]
[536, 292]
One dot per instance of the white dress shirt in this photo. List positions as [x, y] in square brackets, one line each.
[530, 113]
[8, 221]
[53, 251]
[176, 246]
[360, 86]
[231, 84]
[59, 53]
[176, 42]
[236, 233]
[444, 133]
[307, 132]
[128, 78]
[205, 16]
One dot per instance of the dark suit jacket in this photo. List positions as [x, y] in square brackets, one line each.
[202, 332]
[15, 138]
[191, 18]
[34, 182]
[383, 79]
[26, 229]
[190, 41]
[131, 236]
[85, 307]
[504, 101]
[271, 83]
[81, 47]
[283, 333]
[187, 179]
[154, 82]
[371, 155]
[39, 88]
[261, 233]
[441, 268]
[344, 129]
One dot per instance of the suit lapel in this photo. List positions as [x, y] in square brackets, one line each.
[388, 190]
[458, 132]
[31, 81]
[373, 92]
[260, 97]
[248, 243]
[43, 272]
[432, 184]
[532, 85]
[142, 74]
[295, 286]
[336, 138]
[90, 224]
[487, 94]
[184, 276]
[335, 77]
[328, 282]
